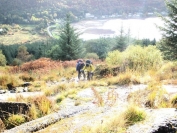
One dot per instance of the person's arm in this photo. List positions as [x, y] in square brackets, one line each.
[92, 68]
[83, 68]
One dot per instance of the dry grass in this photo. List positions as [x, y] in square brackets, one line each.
[125, 78]
[43, 104]
[14, 120]
[9, 80]
[134, 114]
[98, 98]
[154, 96]
[117, 122]
[17, 36]
[45, 70]
[70, 93]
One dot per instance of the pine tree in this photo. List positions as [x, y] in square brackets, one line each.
[70, 43]
[168, 44]
[121, 41]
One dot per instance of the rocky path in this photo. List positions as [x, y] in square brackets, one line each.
[72, 119]
[96, 115]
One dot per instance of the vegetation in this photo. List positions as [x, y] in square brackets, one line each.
[70, 43]
[118, 122]
[121, 60]
[43, 12]
[14, 120]
[44, 70]
[137, 58]
[168, 43]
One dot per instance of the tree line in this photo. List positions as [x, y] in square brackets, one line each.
[68, 47]
[40, 11]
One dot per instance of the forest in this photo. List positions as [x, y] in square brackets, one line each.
[38, 11]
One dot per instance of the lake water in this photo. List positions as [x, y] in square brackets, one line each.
[139, 28]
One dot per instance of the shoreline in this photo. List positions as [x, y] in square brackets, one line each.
[139, 28]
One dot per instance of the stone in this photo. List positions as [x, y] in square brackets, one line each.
[2, 91]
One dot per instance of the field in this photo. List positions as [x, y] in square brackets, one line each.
[20, 34]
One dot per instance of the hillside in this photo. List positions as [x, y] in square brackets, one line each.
[65, 105]
[37, 11]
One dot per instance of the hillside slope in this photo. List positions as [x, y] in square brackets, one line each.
[33, 11]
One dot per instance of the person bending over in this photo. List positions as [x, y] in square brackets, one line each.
[89, 68]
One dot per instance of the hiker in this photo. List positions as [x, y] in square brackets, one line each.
[79, 67]
[89, 68]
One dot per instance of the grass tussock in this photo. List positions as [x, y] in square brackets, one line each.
[153, 96]
[70, 93]
[125, 78]
[98, 98]
[134, 114]
[7, 80]
[40, 105]
[26, 77]
[43, 105]
[117, 123]
[173, 101]
[14, 120]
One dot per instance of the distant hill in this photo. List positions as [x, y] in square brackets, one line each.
[37, 11]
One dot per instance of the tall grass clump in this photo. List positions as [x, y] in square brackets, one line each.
[165, 72]
[153, 96]
[173, 101]
[134, 114]
[9, 80]
[43, 105]
[14, 120]
[158, 97]
[124, 78]
[118, 122]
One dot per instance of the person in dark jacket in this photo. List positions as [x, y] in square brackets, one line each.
[80, 65]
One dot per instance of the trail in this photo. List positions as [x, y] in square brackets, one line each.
[48, 30]
[73, 119]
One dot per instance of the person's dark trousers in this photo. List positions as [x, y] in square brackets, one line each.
[89, 75]
[79, 74]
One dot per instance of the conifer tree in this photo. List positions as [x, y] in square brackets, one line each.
[168, 44]
[70, 43]
[121, 41]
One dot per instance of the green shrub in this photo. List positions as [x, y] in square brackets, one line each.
[136, 58]
[91, 56]
[143, 58]
[114, 58]
[17, 62]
